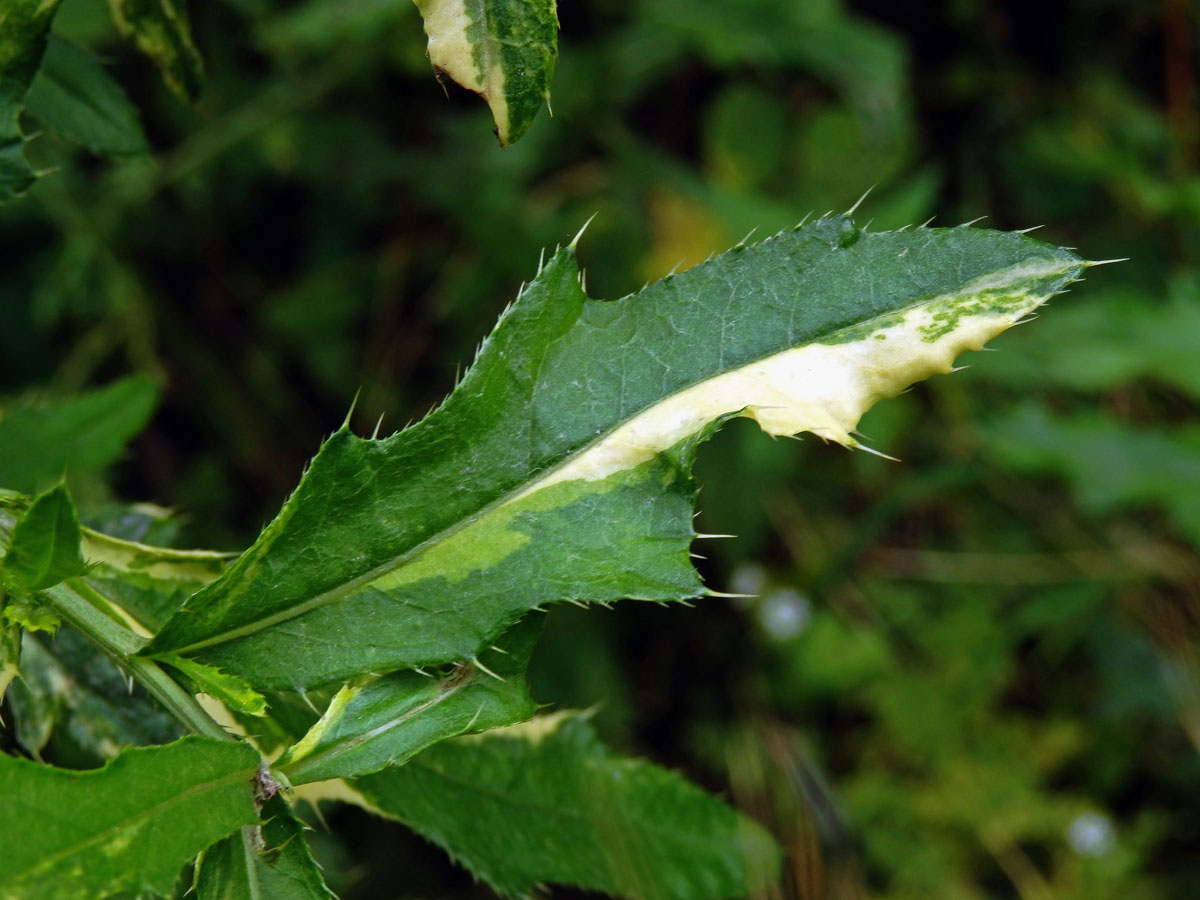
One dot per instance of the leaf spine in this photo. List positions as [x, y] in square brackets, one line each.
[350, 411]
[861, 446]
[859, 201]
[578, 235]
[474, 718]
[485, 670]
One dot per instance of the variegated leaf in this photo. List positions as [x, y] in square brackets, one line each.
[503, 50]
[558, 470]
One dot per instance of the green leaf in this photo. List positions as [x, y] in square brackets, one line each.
[130, 826]
[39, 442]
[24, 25]
[74, 96]
[1108, 465]
[503, 50]
[545, 802]
[45, 544]
[160, 30]
[74, 703]
[30, 613]
[150, 565]
[559, 467]
[282, 869]
[392, 718]
[148, 582]
[234, 692]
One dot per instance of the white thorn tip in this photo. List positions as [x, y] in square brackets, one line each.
[350, 411]
[699, 536]
[583, 229]
[485, 670]
[874, 452]
[859, 201]
[749, 234]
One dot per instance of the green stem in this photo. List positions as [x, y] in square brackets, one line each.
[72, 603]
[89, 613]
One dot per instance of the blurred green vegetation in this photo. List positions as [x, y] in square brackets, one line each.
[971, 674]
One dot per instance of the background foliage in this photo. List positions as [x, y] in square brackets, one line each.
[971, 674]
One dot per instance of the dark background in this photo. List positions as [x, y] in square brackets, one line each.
[969, 674]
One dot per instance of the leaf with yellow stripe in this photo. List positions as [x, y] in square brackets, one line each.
[559, 468]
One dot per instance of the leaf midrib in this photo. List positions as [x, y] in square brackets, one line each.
[350, 745]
